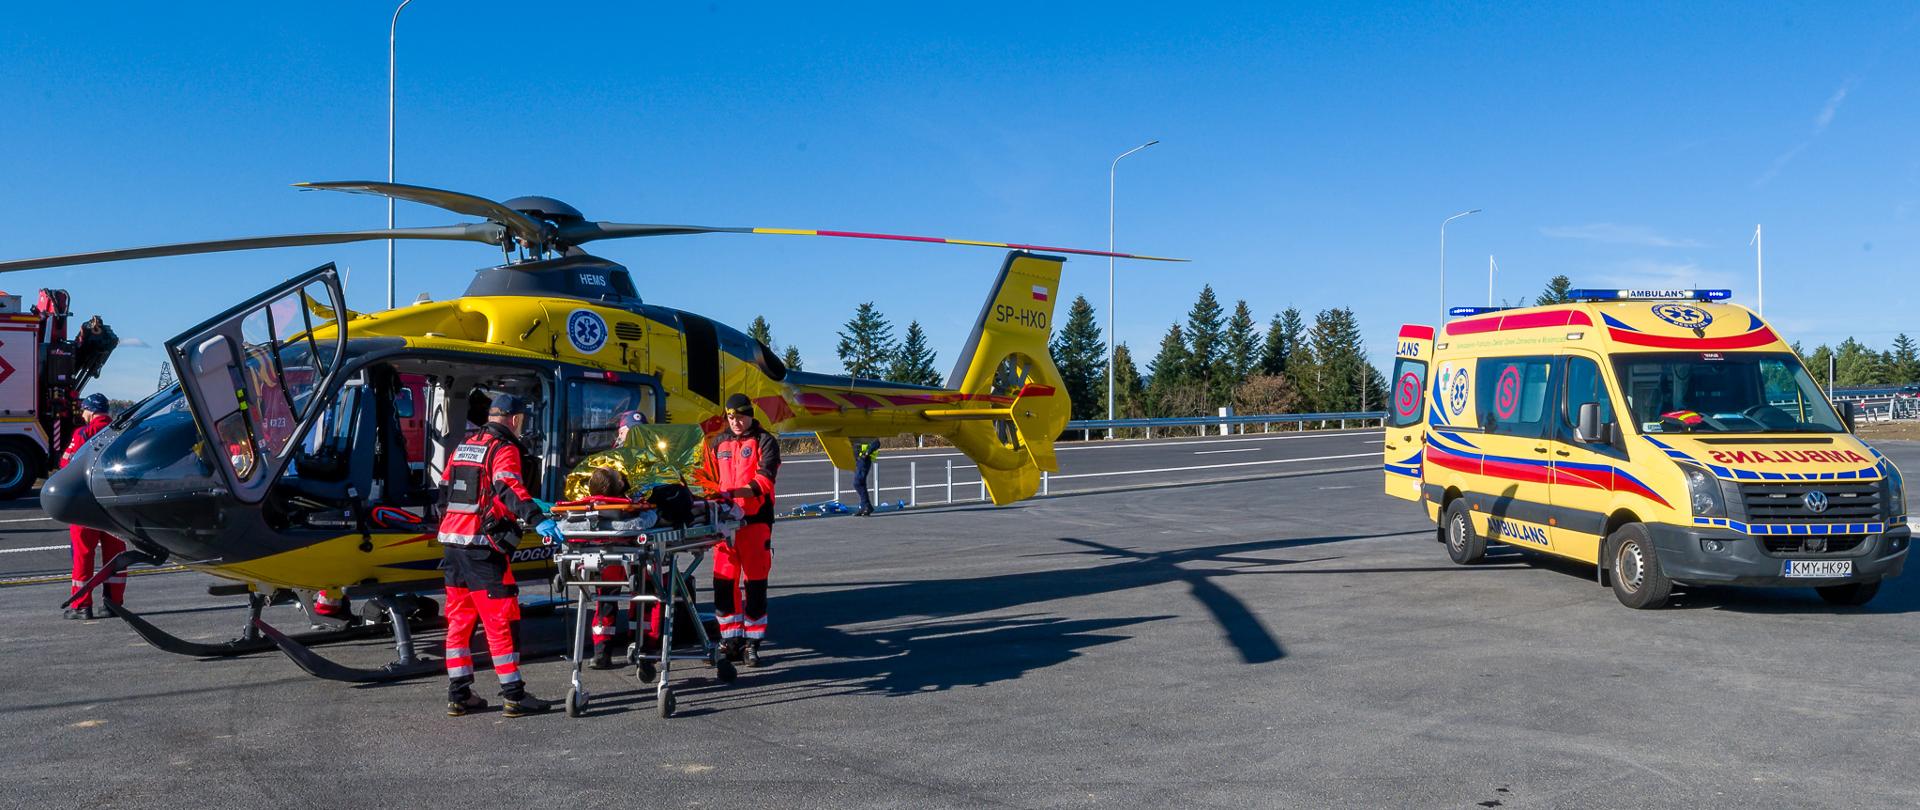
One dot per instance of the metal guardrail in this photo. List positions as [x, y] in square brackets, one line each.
[1087, 426]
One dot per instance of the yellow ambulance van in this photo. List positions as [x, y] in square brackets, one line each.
[1666, 436]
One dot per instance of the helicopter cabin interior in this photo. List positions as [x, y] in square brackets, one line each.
[385, 437]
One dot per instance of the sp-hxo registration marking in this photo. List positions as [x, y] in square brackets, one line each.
[1816, 569]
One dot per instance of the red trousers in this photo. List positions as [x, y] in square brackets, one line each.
[496, 606]
[85, 542]
[740, 569]
[751, 553]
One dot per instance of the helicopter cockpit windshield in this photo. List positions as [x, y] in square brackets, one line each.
[253, 373]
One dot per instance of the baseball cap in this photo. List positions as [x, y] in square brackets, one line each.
[507, 405]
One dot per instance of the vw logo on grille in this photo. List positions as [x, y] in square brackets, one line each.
[1816, 501]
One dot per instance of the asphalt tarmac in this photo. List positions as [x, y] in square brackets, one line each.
[1286, 641]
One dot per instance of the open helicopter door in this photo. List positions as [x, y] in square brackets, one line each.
[257, 375]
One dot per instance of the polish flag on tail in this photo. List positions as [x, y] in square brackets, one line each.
[1039, 293]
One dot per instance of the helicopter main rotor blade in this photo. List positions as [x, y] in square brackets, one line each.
[485, 232]
[581, 232]
[521, 226]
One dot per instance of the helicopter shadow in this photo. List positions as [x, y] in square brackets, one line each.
[835, 646]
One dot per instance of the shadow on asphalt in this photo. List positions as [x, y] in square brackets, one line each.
[1898, 595]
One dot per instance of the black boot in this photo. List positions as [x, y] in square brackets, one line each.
[524, 705]
[460, 707]
[603, 656]
[734, 648]
[752, 655]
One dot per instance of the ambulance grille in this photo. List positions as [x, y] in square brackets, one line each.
[1844, 544]
[1777, 502]
[627, 330]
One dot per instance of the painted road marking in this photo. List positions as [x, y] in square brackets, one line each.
[35, 548]
[1235, 450]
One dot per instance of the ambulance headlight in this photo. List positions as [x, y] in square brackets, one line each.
[1895, 491]
[1704, 491]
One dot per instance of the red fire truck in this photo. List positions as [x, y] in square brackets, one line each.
[41, 375]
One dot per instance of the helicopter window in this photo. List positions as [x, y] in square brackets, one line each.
[592, 411]
[279, 368]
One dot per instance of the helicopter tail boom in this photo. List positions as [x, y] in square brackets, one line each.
[1006, 362]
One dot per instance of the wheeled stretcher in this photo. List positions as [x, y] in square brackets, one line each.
[658, 564]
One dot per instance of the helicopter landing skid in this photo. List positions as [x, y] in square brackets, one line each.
[168, 642]
[406, 666]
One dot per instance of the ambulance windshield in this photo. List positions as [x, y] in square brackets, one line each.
[1713, 392]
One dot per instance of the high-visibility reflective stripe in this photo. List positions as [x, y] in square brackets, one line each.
[449, 539]
[506, 475]
[508, 677]
[506, 658]
[603, 629]
[459, 652]
[755, 632]
[459, 672]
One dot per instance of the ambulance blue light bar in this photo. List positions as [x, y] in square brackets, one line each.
[1649, 295]
[1461, 312]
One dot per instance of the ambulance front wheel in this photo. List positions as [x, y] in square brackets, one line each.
[1638, 581]
[1464, 545]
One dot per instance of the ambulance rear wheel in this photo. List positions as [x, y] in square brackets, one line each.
[19, 467]
[1853, 594]
[1635, 569]
[1464, 545]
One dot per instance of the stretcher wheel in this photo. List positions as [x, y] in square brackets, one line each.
[666, 701]
[648, 671]
[726, 671]
[576, 704]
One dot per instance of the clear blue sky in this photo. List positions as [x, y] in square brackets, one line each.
[1308, 155]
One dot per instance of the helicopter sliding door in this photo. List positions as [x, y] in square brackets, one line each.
[254, 375]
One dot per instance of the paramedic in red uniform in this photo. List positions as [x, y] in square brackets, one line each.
[741, 462]
[486, 504]
[87, 542]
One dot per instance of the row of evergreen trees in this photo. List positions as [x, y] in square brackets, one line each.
[868, 349]
[1215, 359]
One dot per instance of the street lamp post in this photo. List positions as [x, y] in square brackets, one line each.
[392, 30]
[1111, 170]
[1443, 263]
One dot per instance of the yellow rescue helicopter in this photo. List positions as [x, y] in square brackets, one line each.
[301, 450]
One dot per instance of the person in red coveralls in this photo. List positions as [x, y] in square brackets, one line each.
[486, 505]
[741, 463]
[87, 542]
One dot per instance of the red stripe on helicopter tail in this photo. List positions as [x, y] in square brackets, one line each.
[774, 409]
[1037, 390]
[914, 399]
[816, 403]
[863, 401]
[1416, 332]
[1757, 337]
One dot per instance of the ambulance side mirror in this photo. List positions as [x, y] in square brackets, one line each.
[1846, 415]
[1589, 429]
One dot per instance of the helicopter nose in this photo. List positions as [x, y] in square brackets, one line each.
[65, 498]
